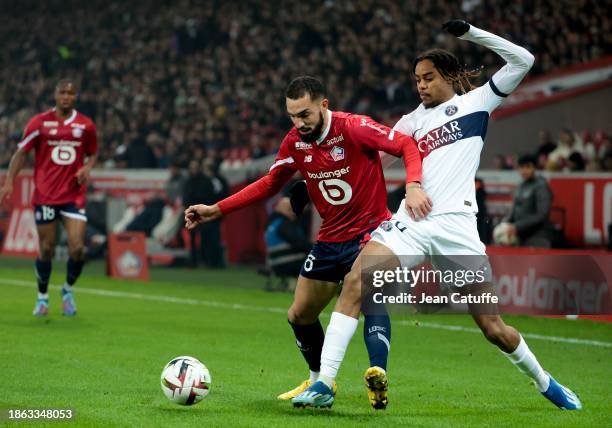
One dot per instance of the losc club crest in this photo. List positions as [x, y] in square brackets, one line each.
[386, 226]
[77, 132]
[129, 264]
[451, 110]
[337, 153]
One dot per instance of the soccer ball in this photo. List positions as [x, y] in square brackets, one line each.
[185, 380]
[503, 236]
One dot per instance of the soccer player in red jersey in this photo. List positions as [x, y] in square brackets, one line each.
[338, 155]
[65, 145]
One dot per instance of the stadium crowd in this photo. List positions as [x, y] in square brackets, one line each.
[571, 151]
[173, 81]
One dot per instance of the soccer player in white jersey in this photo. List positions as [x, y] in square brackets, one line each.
[449, 125]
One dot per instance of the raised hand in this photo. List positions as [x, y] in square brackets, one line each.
[457, 27]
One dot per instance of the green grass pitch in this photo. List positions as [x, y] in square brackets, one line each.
[105, 363]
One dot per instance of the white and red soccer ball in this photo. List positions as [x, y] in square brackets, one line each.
[503, 234]
[185, 380]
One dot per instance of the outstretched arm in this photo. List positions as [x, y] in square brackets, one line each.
[518, 59]
[280, 173]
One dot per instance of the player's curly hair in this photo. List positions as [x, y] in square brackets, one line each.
[449, 67]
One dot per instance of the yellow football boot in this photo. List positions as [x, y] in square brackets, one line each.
[299, 389]
[376, 382]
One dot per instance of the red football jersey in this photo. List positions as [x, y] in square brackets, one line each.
[343, 174]
[60, 149]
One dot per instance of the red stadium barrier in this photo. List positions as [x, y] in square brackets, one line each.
[20, 237]
[585, 200]
[533, 264]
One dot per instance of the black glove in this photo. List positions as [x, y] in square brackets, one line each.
[298, 195]
[457, 27]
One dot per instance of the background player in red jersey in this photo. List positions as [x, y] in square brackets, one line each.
[337, 154]
[62, 139]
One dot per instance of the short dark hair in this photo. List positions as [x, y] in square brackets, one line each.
[449, 67]
[65, 82]
[527, 159]
[303, 85]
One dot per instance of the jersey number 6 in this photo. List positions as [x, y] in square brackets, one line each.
[335, 191]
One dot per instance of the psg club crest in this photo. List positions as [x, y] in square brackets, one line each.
[451, 110]
[77, 132]
[337, 153]
[386, 226]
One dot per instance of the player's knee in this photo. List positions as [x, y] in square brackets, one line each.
[76, 252]
[351, 287]
[46, 250]
[301, 316]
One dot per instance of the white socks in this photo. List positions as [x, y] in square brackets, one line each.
[43, 295]
[314, 376]
[341, 329]
[339, 332]
[526, 362]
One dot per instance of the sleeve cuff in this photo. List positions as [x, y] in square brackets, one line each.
[495, 90]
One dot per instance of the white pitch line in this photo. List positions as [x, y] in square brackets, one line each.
[213, 304]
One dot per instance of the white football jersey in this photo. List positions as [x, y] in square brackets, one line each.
[450, 138]
[451, 135]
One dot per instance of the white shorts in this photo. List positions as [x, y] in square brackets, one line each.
[450, 234]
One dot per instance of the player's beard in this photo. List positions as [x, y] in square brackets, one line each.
[315, 133]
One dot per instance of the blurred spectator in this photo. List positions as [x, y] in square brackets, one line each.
[7, 149]
[139, 154]
[531, 207]
[607, 162]
[199, 189]
[568, 143]
[286, 241]
[173, 213]
[501, 163]
[213, 246]
[151, 214]
[175, 186]
[545, 148]
[210, 74]
[576, 162]
[210, 167]
[258, 149]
